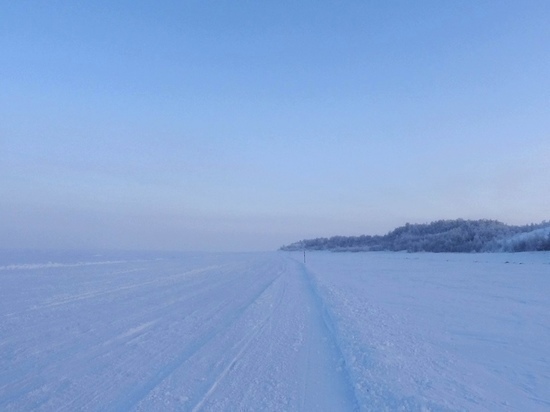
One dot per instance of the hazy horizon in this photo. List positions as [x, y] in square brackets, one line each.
[242, 127]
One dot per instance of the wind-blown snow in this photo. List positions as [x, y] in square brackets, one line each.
[376, 331]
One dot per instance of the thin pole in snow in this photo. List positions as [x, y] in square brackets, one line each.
[304, 256]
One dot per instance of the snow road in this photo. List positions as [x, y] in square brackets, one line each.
[207, 332]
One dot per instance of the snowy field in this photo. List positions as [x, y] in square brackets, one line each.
[254, 332]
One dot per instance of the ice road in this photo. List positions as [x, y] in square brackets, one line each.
[251, 332]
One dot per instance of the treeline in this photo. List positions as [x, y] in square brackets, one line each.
[463, 236]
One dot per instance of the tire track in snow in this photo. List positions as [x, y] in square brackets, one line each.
[199, 291]
[244, 345]
[135, 396]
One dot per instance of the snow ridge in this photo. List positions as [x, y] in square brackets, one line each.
[48, 265]
[330, 332]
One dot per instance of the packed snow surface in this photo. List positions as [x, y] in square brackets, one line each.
[251, 332]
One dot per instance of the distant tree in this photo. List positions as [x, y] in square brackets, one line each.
[441, 236]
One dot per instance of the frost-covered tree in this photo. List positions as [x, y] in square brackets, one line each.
[441, 236]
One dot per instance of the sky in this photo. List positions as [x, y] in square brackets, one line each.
[246, 125]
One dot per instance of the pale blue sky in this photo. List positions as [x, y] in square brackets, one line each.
[244, 125]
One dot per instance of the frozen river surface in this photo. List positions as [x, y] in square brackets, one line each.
[251, 332]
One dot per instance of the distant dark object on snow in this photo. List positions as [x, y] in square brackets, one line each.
[464, 236]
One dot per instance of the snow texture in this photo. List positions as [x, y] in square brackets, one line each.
[249, 332]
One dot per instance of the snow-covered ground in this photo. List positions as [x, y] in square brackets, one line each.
[190, 332]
